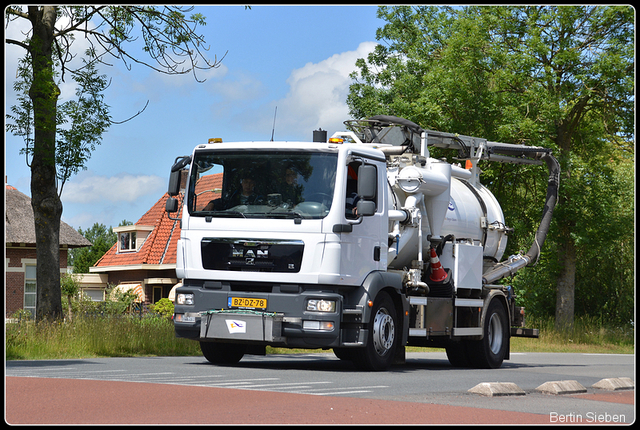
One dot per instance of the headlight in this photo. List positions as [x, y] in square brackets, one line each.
[184, 299]
[321, 305]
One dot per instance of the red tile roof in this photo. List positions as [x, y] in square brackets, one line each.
[209, 188]
[161, 244]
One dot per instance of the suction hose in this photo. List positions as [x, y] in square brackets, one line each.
[517, 262]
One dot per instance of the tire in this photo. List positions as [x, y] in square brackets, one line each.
[457, 354]
[490, 351]
[222, 353]
[345, 354]
[382, 339]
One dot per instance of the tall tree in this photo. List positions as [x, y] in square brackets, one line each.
[170, 43]
[560, 77]
[101, 238]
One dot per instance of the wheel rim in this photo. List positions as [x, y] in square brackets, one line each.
[383, 332]
[495, 333]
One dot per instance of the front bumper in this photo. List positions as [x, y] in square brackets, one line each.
[285, 322]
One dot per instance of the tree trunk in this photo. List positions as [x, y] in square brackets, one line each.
[566, 282]
[69, 307]
[565, 292]
[46, 204]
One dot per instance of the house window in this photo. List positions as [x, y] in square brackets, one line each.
[30, 290]
[132, 237]
[157, 294]
[128, 241]
[94, 295]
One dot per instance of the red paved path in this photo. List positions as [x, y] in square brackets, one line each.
[70, 401]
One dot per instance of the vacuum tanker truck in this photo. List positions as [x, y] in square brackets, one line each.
[361, 243]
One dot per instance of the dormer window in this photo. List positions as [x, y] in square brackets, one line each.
[132, 237]
[128, 241]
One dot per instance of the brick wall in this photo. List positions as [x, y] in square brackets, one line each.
[14, 292]
[14, 275]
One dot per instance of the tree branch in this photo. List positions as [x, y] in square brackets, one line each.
[16, 42]
[132, 117]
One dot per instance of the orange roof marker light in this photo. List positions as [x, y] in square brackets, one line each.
[215, 140]
[336, 140]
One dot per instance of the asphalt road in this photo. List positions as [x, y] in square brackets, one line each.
[315, 388]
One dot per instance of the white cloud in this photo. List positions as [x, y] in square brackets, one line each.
[108, 216]
[123, 188]
[318, 94]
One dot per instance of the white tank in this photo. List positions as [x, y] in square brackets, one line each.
[449, 206]
[466, 218]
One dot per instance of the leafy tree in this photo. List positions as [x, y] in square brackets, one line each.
[558, 77]
[79, 124]
[70, 287]
[170, 43]
[101, 238]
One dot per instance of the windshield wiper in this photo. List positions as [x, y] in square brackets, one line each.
[276, 214]
[225, 214]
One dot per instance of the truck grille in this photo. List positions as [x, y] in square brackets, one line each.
[283, 256]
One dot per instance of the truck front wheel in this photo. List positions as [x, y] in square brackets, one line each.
[457, 354]
[382, 339]
[222, 353]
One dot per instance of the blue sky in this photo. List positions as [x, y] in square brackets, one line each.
[297, 58]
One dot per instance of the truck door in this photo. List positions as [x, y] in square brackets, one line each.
[365, 247]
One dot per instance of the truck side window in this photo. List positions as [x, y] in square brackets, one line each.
[352, 197]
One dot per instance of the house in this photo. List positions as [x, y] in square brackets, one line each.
[20, 251]
[143, 259]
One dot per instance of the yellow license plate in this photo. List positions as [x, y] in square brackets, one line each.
[247, 303]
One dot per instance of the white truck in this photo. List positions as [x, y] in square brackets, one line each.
[361, 243]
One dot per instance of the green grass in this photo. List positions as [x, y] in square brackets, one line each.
[128, 336]
[588, 335]
[123, 336]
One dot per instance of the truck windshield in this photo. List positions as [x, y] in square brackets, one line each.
[262, 184]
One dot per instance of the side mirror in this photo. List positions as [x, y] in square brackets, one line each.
[366, 207]
[176, 174]
[172, 205]
[174, 183]
[367, 182]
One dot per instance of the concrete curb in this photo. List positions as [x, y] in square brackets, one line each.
[492, 389]
[562, 387]
[615, 384]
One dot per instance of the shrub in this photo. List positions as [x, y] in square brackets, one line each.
[163, 307]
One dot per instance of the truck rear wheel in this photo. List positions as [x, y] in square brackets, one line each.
[382, 339]
[222, 353]
[490, 351]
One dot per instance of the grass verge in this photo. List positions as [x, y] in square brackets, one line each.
[588, 335]
[128, 336]
[121, 336]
